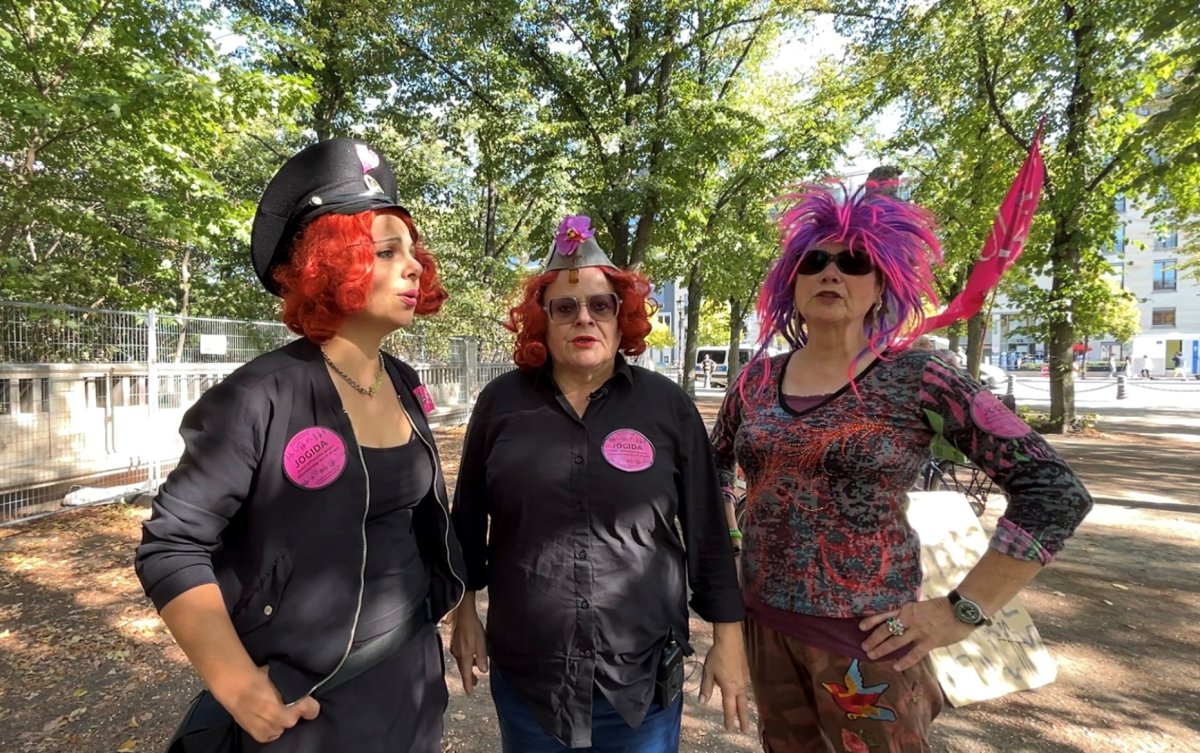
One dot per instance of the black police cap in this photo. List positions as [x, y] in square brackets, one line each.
[339, 176]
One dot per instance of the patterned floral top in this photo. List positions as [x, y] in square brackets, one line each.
[825, 526]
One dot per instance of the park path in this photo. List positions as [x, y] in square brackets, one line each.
[85, 664]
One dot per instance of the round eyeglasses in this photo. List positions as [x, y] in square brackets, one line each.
[601, 306]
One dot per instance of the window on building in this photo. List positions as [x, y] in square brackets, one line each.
[5, 397]
[1120, 203]
[45, 393]
[1166, 240]
[1162, 317]
[1164, 274]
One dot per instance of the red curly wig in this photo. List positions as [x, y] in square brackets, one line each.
[328, 277]
[528, 319]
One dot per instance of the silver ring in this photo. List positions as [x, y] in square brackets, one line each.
[896, 627]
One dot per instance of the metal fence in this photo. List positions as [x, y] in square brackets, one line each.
[91, 399]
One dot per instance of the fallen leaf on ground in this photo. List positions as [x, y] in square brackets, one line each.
[54, 724]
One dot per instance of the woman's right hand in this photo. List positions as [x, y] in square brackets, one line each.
[199, 622]
[468, 644]
[258, 708]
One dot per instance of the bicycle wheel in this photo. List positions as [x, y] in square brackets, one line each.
[966, 482]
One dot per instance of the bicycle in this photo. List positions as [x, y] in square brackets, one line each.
[968, 480]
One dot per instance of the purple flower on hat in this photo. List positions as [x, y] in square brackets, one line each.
[368, 158]
[573, 231]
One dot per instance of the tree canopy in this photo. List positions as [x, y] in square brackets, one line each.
[136, 137]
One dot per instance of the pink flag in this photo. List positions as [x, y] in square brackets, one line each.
[1003, 244]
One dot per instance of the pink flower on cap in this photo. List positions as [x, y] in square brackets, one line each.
[573, 231]
[368, 158]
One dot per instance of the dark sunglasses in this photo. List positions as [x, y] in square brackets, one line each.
[602, 307]
[848, 262]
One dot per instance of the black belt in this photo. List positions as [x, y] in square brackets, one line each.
[379, 649]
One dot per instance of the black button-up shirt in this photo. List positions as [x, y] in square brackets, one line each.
[597, 526]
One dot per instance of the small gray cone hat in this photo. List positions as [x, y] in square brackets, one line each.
[575, 246]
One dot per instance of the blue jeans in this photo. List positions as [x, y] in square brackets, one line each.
[521, 732]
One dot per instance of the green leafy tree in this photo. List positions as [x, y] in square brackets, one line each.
[714, 323]
[772, 136]
[1118, 86]
[106, 188]
[660, 337]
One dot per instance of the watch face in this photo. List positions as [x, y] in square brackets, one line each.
[968, 612]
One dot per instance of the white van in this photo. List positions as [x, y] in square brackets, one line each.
[718, 353]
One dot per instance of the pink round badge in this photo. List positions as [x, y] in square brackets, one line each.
[426, 401]
[628, 450]
[314, 458]
[995, 418]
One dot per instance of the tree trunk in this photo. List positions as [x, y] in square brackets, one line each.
[737, 312]
[976, 330]
[489, 220]
[185, 284]
[1062, 384]
[1065, 254]
[954, 334]
[22, 170]
[695, 296]
[618, 228]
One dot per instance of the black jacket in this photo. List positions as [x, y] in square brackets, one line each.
[289, 560]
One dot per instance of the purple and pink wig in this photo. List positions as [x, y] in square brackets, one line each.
[898, 236]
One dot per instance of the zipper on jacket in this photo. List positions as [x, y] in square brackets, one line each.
[437, 467]
[362, 575]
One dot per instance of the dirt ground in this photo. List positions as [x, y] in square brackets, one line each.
[86, 665]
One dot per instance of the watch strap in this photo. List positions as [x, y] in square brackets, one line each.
[955, 597]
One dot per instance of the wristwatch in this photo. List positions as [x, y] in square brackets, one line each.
[966, 610]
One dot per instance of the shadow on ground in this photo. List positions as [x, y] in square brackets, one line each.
[85, 664]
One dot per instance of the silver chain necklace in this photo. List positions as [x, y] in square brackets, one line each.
[369, 392]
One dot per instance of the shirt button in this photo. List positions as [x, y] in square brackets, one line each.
[587, 653]
[584, 604]
[581, 554]
[578, 459]
[268, 610]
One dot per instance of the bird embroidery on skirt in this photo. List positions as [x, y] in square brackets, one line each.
[857, 701]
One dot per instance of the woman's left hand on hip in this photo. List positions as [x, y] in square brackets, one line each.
[923, 625]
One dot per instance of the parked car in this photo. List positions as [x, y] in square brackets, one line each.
[993, 377]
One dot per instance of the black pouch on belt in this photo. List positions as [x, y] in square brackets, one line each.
[668, 682]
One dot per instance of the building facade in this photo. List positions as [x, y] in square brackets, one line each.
[1145, 258]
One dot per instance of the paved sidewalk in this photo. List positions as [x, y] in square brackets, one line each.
[1118, 606]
